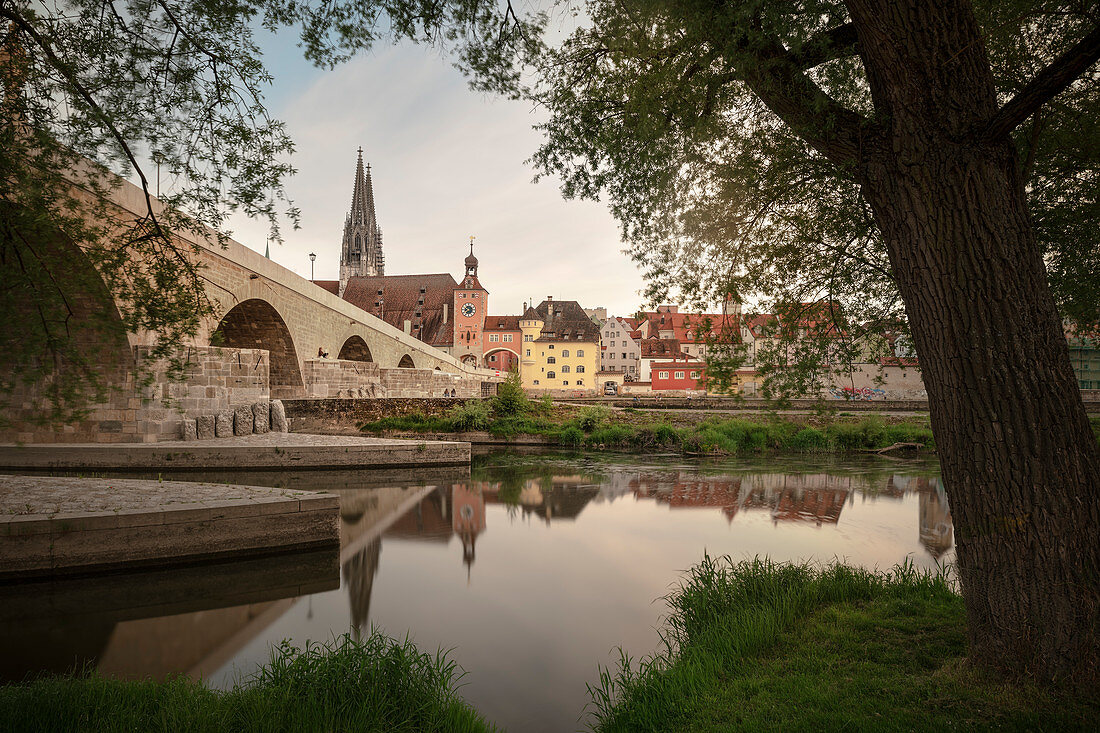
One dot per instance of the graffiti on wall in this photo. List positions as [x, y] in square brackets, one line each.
[858, 393]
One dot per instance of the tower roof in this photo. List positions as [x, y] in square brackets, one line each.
[471, 261]
[362, 197]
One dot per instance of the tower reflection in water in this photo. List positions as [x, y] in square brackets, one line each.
[816, 499]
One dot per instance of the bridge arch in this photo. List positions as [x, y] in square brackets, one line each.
[406, 363]
[255, 324]
[355, 349]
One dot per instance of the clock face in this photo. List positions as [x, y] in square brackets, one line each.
[468, 310]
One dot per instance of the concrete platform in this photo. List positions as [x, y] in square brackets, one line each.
[270, 450]
[56, 526]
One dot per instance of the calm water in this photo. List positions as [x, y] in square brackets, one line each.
[532, 568]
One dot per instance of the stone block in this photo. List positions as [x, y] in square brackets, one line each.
[204, 427]
[278, 417]
[261, 413]
[223, 424]
[188, 429]
[242, 420]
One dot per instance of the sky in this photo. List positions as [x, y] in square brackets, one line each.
[447, 163]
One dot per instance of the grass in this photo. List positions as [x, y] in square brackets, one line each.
[599, 427]
[374, 684]
[765, 646]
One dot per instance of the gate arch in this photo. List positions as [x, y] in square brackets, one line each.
[406, 363]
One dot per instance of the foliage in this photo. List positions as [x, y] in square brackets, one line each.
[760, 645]
[167, 93]
[510, 399]
[664, 110]
[591, 417]
[571, 436]
[470, 415]
[371, 684]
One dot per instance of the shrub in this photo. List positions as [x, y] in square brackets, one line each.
[665, 434]
[546, 404]
[591, 417]
[471, 415]
[571, 436]
[610, 435]
[809, 439]
[510, 399]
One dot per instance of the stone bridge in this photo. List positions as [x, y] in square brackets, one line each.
[262, 342]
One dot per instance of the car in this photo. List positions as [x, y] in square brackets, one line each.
[610, 389]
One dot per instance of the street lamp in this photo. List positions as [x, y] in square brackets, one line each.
[312, 259]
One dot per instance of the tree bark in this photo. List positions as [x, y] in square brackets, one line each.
[1020, 463]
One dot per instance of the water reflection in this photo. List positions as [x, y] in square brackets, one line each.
[530, 568]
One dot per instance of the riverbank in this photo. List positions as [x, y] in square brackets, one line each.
[689, 432]
[643, 431]
[373, 684]
[764, 646]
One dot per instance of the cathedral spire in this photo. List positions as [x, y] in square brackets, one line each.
[361, 250]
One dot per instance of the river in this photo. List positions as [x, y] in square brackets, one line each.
[533, 568]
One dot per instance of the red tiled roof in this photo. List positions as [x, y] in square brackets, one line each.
[400, 302]
[654, 348]
[501, 323]
[333, 286]
[685, 327]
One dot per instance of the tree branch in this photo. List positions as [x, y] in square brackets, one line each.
[831, 128]
[1047, 84]
[835, 43]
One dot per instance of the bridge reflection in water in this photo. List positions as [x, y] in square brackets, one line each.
[552, 559]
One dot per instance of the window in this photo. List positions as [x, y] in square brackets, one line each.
[476, 295]
[462, 295]
[528, 337]
[611, 355]
[580, 368]
[564, 368]
[551, 360]
[550, 346]
[624, 356]
[631, 368]
[536, 381]
[580, 352]
[528, 352]
[679, 375]
[551, 375]
[580, 382]
[493, 337]
[694, 374]
[507, 338]
[565, 352]
[612, 343]
[565, 383]
[662, 375]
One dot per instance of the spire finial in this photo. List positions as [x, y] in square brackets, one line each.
[472, 238]
[360, 151]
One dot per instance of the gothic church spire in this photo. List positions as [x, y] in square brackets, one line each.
[361, 250]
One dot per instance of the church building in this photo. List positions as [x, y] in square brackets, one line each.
[435, 308]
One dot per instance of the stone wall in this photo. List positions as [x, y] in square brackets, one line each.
[307, 415]
[334, 378]
[146, 405]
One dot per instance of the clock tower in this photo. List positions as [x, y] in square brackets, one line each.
[471, 302]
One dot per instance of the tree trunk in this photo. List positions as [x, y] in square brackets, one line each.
[1020, 464]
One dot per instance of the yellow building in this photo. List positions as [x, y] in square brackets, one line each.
[560, 349]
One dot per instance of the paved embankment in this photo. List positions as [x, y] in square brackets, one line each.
[51, 525]
[270, 450]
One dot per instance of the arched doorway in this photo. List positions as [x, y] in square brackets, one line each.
[255, 324]
[355, 349]
[406, 363]
[503, 359]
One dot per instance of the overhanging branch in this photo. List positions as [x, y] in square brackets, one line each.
[1047, 84]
